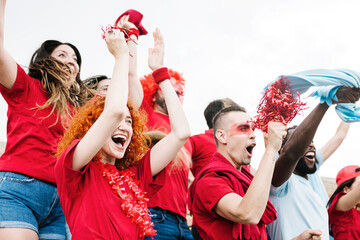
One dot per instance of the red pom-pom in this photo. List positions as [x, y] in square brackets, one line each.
[277, 104]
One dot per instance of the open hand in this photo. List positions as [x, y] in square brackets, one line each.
[156, 54]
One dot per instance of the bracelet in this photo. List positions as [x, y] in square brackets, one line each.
[161, 74]
[133, 31]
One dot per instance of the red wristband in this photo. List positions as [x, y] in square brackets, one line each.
[133, 31]
[161, 74]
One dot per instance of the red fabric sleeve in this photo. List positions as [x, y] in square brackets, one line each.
[21, 89]
[211, 188]
[333, 212]
[148, 183]
[65, 175]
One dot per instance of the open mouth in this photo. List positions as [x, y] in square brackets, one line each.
[250, 148]
[119, 140]
[310, 156]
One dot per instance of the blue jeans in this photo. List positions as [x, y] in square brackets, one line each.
[67, 232]
[169, 225]
[26, 202]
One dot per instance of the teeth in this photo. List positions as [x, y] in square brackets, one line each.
[310, 155]
[119, 139]
[119, 136]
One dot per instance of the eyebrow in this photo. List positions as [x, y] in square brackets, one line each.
[241, 123]
[60, 50]
[104, 86]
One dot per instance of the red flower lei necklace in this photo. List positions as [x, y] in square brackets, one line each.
[134, 207]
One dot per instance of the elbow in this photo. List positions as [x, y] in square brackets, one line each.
[248, 215]
[184, 134]
[249, 218]
[116, 113]
[290, 154]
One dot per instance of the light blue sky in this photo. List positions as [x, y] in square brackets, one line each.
[224, 48]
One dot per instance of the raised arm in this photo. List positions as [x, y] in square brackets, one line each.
[115, 103]
[136, 93]
[296, 145]
[250, 208]
[303, 135]
[330, 147]
[8, 67]
[167, 148]
[351, 199]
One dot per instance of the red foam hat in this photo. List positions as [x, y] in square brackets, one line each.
[135, 17]
[347, 173]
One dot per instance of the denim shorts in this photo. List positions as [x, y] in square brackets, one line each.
[26, 202]
[169, 225]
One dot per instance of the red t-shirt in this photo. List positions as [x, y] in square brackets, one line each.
[31, 138]
[216, 180]
[173, 196]
[91, 209]
[203, 146]
[345, 225]
[210, 189]
[156, 120]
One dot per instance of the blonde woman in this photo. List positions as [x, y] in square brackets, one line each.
[40, 104]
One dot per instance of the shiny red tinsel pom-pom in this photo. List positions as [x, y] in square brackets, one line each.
[277, 104]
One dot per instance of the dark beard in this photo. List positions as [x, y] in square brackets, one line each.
[302, 168]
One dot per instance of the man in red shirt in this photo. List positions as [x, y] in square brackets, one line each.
[203, 145]
[168, 206]
[226, 200]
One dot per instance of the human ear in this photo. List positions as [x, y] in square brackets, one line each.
[220, 136]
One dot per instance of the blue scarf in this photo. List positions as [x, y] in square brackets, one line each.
[328, 82]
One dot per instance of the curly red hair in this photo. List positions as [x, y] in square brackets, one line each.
[86, 116]
[150, 87]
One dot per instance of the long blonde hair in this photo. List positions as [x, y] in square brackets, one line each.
[54, 76]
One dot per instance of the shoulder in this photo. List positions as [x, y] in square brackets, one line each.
[283, 189]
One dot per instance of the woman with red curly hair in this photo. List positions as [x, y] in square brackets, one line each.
[105, 168]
